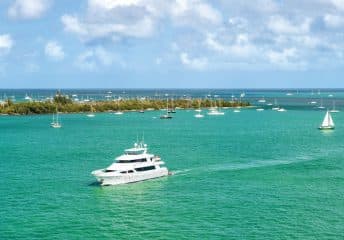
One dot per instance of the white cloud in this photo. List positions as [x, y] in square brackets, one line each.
[194, 63]
[194, 13]
[338, 4]
[334, 21]
[238, 22]
[115, 19]
[239, 47]
[28, 9]
[283, 57]
[6, 43]
[72, 24]
[93, 59]
[254, 32]
[54, 51]
[281, 25]
[110, 19]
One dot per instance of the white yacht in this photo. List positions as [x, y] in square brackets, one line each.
[215, 111]
[281, 110]
[27, 97]
[199, 115]
[135, 165]
[262, 100]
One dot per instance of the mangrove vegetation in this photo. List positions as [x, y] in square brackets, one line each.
[63, 104]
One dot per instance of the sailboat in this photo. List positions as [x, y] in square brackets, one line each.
[91, 114]
[275, 108]
[215, 111]
[199, 110]
[334, 110]
[118, 112]
[167, 115]
[172, 110]
[327, 123]
[321, 104]
[55, 123]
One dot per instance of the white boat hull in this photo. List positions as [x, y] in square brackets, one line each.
[216, 113]
[106, 179]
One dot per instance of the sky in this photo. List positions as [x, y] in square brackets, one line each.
[171, 44]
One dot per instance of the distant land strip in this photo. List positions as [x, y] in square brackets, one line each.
[63, 104]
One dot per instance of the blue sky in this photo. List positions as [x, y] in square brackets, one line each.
[171, 44]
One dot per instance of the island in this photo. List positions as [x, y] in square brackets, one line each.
[64, 104]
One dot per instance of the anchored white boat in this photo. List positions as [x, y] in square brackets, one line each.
[199, 115]
[327, 123]
[334, 110]
[199, 111]
[91, 114]
[55, 123]
[215, 111]
[167, 115]
[135, 165]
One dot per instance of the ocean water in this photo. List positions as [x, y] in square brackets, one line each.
[247, 175]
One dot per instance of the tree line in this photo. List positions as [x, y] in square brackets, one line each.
[62, 103]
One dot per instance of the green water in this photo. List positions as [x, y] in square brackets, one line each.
[248, 175]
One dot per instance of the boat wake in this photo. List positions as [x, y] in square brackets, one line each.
[181, 172]
[243, 166]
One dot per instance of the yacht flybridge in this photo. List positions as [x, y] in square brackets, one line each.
[135, 165]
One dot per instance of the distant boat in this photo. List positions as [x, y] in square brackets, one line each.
[289, 94]
[199, 115]
[334, 110]
[321, 105]
[172, 109]
[281, 110]
[275, 108]
[27, 97]
[262, 100]
[167, 115]
[199, 110]
[327, 123]
[215, 111]
[55, 123]
[236, 110]
[260, 109]
[118, 112]
[91, 114]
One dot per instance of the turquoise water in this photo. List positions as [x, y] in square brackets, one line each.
[247, 175]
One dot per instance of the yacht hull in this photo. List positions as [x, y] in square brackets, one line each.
[107, 179]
